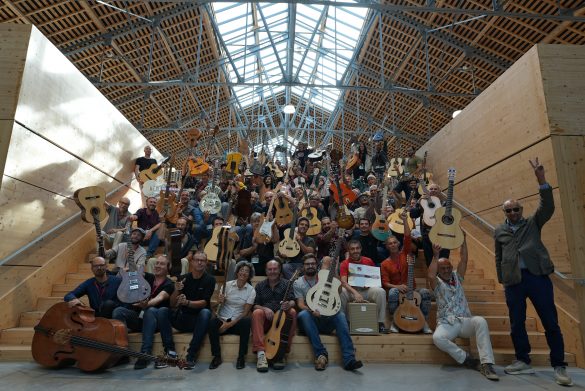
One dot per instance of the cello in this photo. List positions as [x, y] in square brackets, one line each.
[73, 335]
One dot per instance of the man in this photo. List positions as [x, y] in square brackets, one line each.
[141, 164]
[149, 220]
[114, 229]
[409, 186]
[454, 318]
[269, 299]
[326, 239]
[394, 271]
[307, 245]
[101, 290]
[187, 247]
[152, 313]
[368, 241]
[359, 294]
[253, 249]
[523, 265]
[413, 163]
[191, 300]
[313, 323]
[120, 253]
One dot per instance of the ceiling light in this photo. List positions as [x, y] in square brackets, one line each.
[288, 109]
[456, 113]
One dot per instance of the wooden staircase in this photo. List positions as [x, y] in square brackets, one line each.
[485, 298]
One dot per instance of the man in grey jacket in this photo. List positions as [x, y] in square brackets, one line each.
[523, 266]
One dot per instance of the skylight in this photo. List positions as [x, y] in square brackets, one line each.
[256, 38]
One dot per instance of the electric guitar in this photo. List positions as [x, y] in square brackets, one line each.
[344, 218]
[276, 339]
[408, 317]
[446, 232]
[133, 288]
[152, 172]
[324, 296]
[289, 246]
[380, 229]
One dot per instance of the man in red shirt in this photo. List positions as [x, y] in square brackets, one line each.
[359, 294]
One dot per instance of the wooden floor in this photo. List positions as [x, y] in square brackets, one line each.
[485, 298]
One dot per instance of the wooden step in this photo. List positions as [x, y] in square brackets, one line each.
[502, 339]
[539, 357]
[30, 318]
[17, 336]
[11, 353]
[502, 323]
[484, 295]
[44, 303]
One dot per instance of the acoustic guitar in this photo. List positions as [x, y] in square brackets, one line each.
[289, 246]
[211, 202]
[395, 222]
[166, 205]
[152, 172]
[91, 202]
[199, 166]
[344, 218]
[264, 234]
[446, 232]
[311, 213]
[283, 214]
[396, 167]
[429, 205]
[276, 339]
[380, 229]
[408, 317]
[324, 295]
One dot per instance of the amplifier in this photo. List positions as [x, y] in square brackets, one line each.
[363, 318]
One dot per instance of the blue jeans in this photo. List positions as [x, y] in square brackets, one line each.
[129, 317]
[197, 323]
[152, 319]
[326, 324]
[153, 244]
[539, 290]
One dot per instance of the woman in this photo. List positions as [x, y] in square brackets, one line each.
[233, 316]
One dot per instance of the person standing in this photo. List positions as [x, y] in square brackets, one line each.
[141, 164]
[523, 266]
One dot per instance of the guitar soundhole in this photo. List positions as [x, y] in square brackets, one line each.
[431, 204]
[447, 220]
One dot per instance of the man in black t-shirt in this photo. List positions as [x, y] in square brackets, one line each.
[368, 241]
[191, 300]
[143, 163]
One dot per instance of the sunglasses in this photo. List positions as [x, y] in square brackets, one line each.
[510, 210]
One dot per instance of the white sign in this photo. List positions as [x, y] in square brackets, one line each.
[364, 276]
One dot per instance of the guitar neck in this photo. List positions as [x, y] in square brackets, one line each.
[100, 239]
[409, 293]
[449, 201]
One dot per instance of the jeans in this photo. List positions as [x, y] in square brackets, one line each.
[197, 323]
[152, 319]
[326, 324]
[152, 244]
[539, 290]
[106, 309]
[475, 326]
[242, 328]
[425, 301]
[129, 317]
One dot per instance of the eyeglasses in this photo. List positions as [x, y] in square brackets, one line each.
[510, 210]
[98, 266]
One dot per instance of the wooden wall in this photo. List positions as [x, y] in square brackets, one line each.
[535, 109]
[63, 135]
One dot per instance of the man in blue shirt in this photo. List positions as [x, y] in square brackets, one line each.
[101, 290]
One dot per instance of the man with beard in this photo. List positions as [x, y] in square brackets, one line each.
[313, 323]
[149, 220]
[101, 290]
[187, 247]
[114, 229]
[307, 245]
[121, 252]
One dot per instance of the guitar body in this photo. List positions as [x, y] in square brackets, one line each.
[380, 228]
[324, 296]
[197, 167]
[233, 161]
[167, 205]
[353, 162]
[134, 287]
[408, 317]
[446, 232]
[212, 247]
[91, 200]
[151, 173]
[396, 224]
[396, 169]
[344, 219]
[289, 247]
[430, 207]
[276, 339]
[314, 222]
[275, 170]
[346, 193]
[283, 214]
[265, 231]
[210, 203]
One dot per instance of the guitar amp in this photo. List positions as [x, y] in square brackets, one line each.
[363, 318]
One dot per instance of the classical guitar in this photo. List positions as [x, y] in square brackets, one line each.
[395, 222]
[283, 213]
[276, 339]
[344, 218]
[380, 229]
[408, 317]
[311, 213]
[289, 246]
[396, 167]
[73, 335]
[91, 202]
[324, 295]
[446, 232]
[199, 166]
[430, 204]
[152, 172]
[211, 202]
[425, 176]
[220, 248]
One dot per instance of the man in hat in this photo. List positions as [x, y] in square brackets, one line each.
[122, 253]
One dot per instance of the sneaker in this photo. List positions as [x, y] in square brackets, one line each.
[141, 363]
[353, 365]
[488, 371]
[189, 363]
[321, 362]
[262, 364]
[241, 362]
[280, 364]
[471, 363]
[394, 329]
[427, 329]
[382, 329]
[160, 364]
[216, 362]
[518, 367]
[562, 377]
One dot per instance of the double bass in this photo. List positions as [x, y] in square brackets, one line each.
[73, 335]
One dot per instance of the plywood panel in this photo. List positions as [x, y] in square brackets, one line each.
[5, 135]
[563, 69]
[502, 120]
[14, 40]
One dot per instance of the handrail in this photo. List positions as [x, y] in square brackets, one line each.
[54, 229]
[580, 281]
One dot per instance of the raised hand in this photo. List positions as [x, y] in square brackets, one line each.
[538, 170]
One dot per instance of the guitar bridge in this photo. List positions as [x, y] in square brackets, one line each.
[409, 317]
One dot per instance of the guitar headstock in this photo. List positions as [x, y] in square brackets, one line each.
[451, 173]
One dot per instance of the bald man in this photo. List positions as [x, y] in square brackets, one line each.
[524, 265]
[454, 318]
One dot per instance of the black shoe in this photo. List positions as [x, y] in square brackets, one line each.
[471, 363]
[141, 363]
[353, 365]
[241, 363]
[189, 363]
[216, 362]
[123, 360]
[382, 329]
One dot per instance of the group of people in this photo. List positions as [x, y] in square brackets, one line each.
[522, 263]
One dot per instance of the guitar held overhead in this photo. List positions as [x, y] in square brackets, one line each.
[446, 232]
